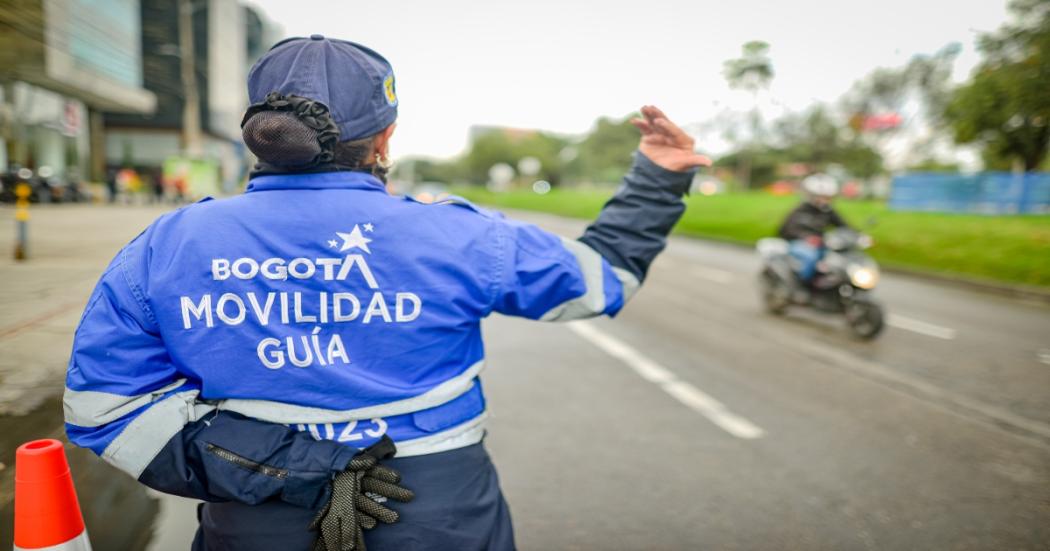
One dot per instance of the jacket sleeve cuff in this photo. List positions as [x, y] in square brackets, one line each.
[646, 173]
[316, 462]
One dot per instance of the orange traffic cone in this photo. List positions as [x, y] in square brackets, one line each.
[47, 514]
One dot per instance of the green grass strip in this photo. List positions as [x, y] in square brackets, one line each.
[1006, 249]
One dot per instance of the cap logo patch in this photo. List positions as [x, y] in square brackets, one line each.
[388, 90]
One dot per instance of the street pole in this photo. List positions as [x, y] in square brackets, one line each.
[22, 192]
[97, 141]
[191, 107]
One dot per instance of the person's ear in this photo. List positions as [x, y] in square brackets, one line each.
[382, 141]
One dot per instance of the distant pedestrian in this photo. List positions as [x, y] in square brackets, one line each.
[156, 183]
[111, 185]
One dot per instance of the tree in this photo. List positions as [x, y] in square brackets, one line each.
[912, 96]
[604, 155]
[419, 169]
[546, 148]
[487, 150]
[503, 146]
[816, 138]
[752, 71]
[1006, 106]
[925, 79]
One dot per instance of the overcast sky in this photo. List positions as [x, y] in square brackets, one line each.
[560, 64]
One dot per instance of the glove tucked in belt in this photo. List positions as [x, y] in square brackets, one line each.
[352, 508]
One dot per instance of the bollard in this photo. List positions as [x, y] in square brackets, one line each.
[22, 192]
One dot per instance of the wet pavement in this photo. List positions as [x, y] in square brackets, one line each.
[691, 421]
[117, 510]
[42, 300]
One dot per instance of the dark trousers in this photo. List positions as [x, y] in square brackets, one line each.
[458, 506]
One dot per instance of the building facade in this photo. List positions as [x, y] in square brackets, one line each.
[226, 38]
[63, 63]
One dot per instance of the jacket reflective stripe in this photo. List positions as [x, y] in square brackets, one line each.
[459, 436]
[279, 412]
[629, 281]
[140, 442]
[145, 436]
[90, 408]
[136, 446]
[592, 303]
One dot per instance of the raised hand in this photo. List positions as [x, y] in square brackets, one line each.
[664, 143]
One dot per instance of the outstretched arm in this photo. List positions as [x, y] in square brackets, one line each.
[556, 279]
[632, 227]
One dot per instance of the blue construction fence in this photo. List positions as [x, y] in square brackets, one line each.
[981, 193]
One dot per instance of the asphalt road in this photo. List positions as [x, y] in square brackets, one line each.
[695, 421]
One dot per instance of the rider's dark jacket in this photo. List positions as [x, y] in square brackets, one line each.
[809, 219]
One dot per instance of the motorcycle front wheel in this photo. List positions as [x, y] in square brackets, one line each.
[775, 295]
[865, 319]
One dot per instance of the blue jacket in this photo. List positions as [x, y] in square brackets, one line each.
[246, 348]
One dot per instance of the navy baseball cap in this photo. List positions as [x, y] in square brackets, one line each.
[355, 82]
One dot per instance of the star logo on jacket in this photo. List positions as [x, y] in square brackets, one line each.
[353, 240]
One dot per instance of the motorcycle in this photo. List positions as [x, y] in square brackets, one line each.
[844, 281]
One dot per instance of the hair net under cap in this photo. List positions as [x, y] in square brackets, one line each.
[355, 82]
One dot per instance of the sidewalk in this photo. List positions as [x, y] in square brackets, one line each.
[41, 299]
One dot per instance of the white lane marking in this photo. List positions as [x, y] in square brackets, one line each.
[712, 274]
[1044, 355]
[921, 327]
[684, 392]
[712, 409]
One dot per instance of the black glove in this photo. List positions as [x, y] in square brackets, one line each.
[354, 506]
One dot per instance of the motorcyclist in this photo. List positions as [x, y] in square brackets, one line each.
[243, 351]
[804, 227]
